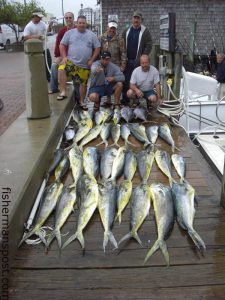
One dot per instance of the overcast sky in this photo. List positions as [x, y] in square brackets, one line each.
[55, 6]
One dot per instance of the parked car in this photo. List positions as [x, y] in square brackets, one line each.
[7, 35]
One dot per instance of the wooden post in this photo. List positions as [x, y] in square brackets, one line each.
[178, 59]
[154, 55]
[192, 41]
[37, 101]
[222, 199]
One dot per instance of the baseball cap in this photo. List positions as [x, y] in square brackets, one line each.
[105, 54]
[112, 24]
[38, 14]
[137, 14]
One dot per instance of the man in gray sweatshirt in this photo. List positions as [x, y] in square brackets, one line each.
[106, 79]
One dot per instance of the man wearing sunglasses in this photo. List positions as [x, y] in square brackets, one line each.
[69, 20]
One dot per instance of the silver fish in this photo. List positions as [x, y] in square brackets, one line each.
[125, 133]
[105, 133]
[164, 163]
[116, 116]
[127, 114]
[107, 158]
[76, 163]
[115, 133]
[165, 134]
[138, 131]
[101, 116]
[75, 116]
[64, 208]
[107, 209]
[47, 206]
[68, 133]
[145, 160]
[164, 215]
[140, 206]
[130, 165]
[93, 133]
[58, 156]
[123, 197]
[152, 133]
[118, 163]
[179, 164]
[141, 113]
[89, 203]
[183, 197]
[91, 161]
[62, 168]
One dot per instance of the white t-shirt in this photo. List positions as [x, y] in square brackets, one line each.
[145, 81]
[35, 29]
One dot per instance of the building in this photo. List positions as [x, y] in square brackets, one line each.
[89, 13]
[202, 19]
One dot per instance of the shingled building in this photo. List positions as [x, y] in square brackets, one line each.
[207, 15]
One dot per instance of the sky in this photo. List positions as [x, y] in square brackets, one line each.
[55, 6]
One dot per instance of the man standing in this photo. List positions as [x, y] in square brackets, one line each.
[145, 82]
[36, 29]
[138, 41]
[69, 20]
[114, 43]
[220, 74]
[83, 48]
[106, 79]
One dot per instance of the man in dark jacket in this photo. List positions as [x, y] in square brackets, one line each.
[220, 74]
[138, 41]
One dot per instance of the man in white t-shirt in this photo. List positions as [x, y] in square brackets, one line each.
[145, 83]
[36, 29]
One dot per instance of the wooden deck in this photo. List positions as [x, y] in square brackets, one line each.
[113, 275]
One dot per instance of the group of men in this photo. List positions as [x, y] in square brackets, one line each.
[112, 63]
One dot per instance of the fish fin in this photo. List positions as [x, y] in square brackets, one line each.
[154, 248]
[108, 235]
[197, 239]
[163, 247]
[136, 237]
[125, 237]
[129, 143]
[72, 238]
[100, 144]
[119, 217]
[26, 236]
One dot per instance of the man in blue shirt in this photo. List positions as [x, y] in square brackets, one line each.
[220, 74]
[138, 41]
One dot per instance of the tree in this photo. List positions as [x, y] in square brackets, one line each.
[15, 14]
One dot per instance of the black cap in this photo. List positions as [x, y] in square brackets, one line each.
[105, 54]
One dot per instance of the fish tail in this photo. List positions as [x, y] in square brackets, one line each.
[146, 144]
[175, 147]
[71, 239]
[108, 235]
[26, 236]
[58, 237]
[163, 247]
[171, 181]
[197, 239]
[119, 217]
[125, 237]
[136, 237]
[154, 248]
[50, 239]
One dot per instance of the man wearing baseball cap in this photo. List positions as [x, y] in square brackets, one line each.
[138, 41]
[36, 29]
[106, 79]
[114, 43]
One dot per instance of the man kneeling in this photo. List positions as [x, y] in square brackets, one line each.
[106, 79]
[144, 83]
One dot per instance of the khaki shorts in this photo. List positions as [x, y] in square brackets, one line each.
[75, 73]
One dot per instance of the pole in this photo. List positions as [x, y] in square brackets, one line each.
[63, 12]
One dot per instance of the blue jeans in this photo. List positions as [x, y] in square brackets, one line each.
[54, 78]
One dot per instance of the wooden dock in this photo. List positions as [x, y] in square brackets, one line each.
[122, 275]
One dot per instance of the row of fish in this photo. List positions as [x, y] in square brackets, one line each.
[111, 163]
[85, 133]
[168, 203]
